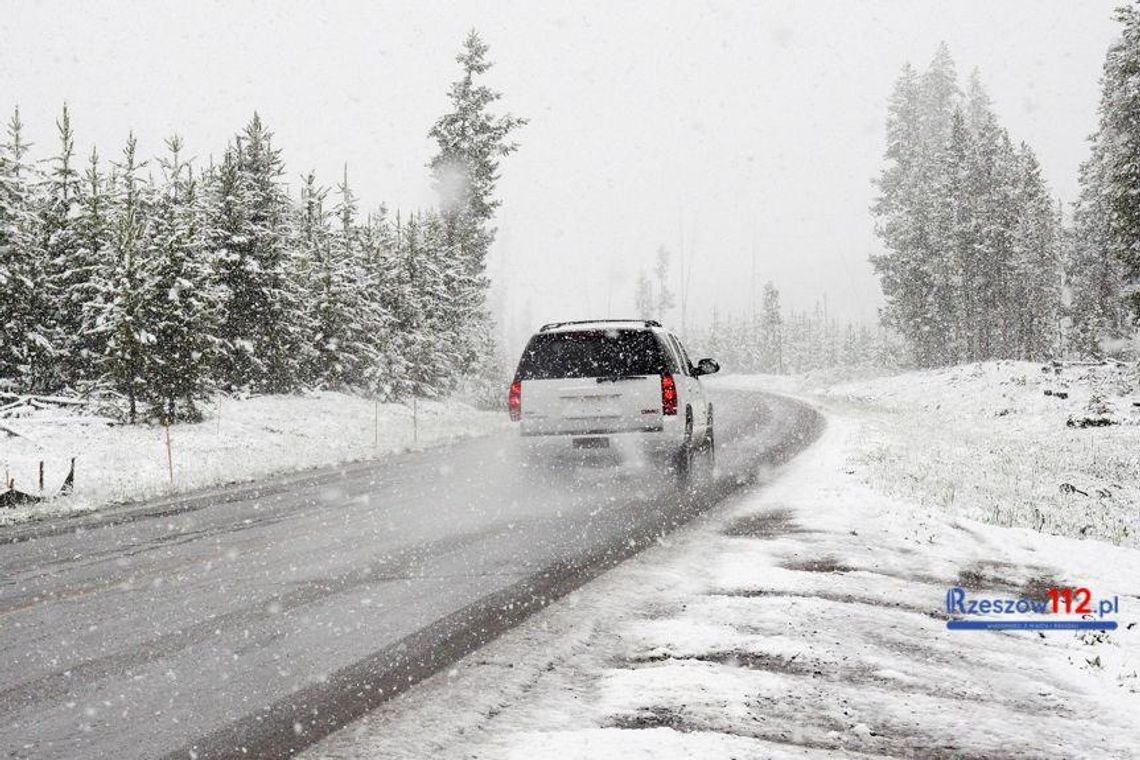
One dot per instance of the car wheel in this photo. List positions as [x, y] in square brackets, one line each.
[683, 459]
[710, 447]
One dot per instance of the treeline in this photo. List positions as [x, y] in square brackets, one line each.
[165, 282]
[979, 263]
[974, 243]
[768, 341]
[1104, 252]
[771, 342]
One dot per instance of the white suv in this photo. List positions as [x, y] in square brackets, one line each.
[596, 380]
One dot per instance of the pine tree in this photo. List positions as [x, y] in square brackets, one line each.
[179, 307]
[772, 330]
[380, 273]
[419, 302]
[225, 236]
[314, 237]
[19, 346]
[957, 279]
[1119, 134]
[69, 270]
[643, 301]
[33, 313]
[346, 317]
[471, 140]
[91, 292]
[122, 320]
[1095, 274]
[1105, 264]
[1035, 264]
[713, 340]
[938, 95]
[470, 356]
[665, 299]
[992, 182]
[250, 231]
[902, 212]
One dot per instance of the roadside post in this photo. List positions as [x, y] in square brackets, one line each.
[169, 453]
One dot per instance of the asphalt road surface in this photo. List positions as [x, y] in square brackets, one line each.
[253, 621]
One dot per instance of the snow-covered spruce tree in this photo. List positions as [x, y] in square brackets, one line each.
[771, 322]
[1035, 272]
[447, 292]
[71, 267]
[366, 324]
[471, 140]
[957, 272]
[344, 311]
[799, 340]
[380, 274]
[32, 311]
[22, 346]
[643, 302]
[992, 184]
[420, 308]
[1095, 275]
[713, 337]
[249, 229]
[122, 317]
[225, 237]
[901, 211]
[313, 242]
[395, 262]
[180, 304]
[1105, 269]
[935, 191]
[665, 298]
[93, 291]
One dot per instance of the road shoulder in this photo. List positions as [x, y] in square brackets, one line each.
[244, 445]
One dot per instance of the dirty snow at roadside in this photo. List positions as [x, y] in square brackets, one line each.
[239, 440]
[806, 618]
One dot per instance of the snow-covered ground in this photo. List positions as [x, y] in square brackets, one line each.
[1054, 448]
[807, 618]
[241, 439]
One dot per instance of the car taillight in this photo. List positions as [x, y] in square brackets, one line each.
[514, 401]
[668, 395]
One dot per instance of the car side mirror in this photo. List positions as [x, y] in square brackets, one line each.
[707, 367]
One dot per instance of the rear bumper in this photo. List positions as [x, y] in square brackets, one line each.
[660, 433]
[589, 431]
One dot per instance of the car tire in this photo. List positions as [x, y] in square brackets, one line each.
[684, 456]
[710, 447]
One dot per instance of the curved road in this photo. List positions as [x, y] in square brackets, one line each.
[253, 621]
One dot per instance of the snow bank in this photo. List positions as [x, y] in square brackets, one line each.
[240, 440]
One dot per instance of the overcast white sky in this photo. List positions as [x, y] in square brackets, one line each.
[736, 125]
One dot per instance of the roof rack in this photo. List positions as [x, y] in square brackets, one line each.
[553, 325]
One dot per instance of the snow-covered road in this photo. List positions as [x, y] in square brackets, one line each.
[257, 620]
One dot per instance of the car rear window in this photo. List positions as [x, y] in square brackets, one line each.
[592, 353]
